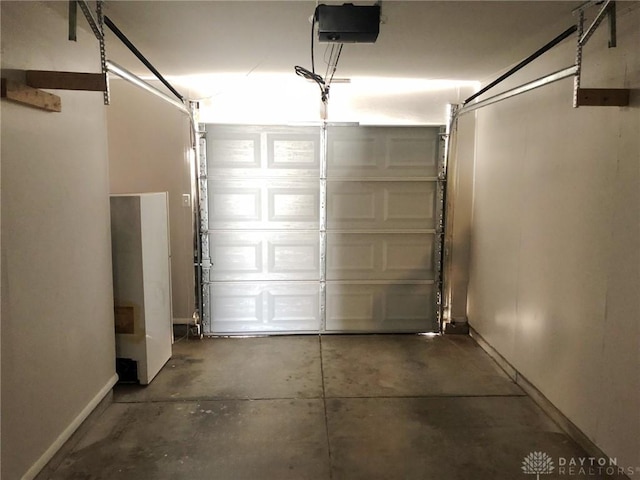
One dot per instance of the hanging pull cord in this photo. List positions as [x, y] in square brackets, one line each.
[322, 82]
[303, 72]
[312, 75]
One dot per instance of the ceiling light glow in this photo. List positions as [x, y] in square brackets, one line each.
[272, 98]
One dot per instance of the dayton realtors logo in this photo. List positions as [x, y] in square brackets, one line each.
[540, 463]
[537, 463]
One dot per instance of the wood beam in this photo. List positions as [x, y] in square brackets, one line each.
[30, 96]
[95, 82]
[603, 97]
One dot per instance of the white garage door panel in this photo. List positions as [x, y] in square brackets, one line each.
[380, 307]
[262, 152]
[376, 152]
[294, 151]
[271, 255]
[381, 205]
[248, 307]
[234, 151]
[263, 204]
[382, 256]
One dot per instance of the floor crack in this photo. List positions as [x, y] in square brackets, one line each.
[324, 403]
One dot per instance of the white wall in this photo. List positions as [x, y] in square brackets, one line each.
[149, 142]
[58, 352]
[555, 236]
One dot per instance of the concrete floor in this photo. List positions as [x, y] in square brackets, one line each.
[332, 407]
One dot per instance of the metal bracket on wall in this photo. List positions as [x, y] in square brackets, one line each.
[97, 26]
[103, 55]
[581, 96]
[199, 147]
[93, 23]
[596, 96]
[73, 20]
[202, 229]
[609, 10]
[443, 157]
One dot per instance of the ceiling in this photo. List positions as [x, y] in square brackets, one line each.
[228, 53]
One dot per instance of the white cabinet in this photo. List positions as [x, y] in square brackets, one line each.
[142, 281]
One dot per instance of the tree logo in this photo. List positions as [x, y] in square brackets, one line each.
[537, 463]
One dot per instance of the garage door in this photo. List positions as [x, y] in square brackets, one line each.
[320, 229]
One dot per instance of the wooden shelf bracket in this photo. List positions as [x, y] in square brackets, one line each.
[603, 97]
[30, 96]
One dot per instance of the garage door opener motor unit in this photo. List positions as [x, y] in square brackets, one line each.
[348, 23]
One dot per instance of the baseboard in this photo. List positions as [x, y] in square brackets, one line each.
[502, 362]
[539, 398]
[46, 457]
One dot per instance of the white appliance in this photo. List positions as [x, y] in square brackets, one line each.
[142, 282]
